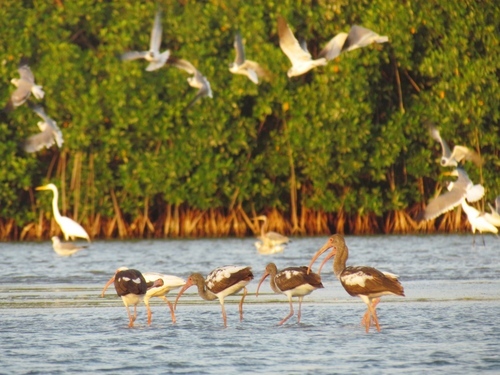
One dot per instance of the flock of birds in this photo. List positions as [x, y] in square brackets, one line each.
[462, 190]
[298, 54]
[365, 282]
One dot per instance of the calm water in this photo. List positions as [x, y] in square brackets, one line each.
[53, 321]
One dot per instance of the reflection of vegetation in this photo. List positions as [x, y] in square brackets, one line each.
[135, 163]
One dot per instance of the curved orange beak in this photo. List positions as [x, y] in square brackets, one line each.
[318, 253]
[189, 283]
[327, 258]
[110, 281]
[266, 274]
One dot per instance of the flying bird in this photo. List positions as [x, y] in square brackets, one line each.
[367, 283]
[49, 132]
[69, 227]
[197, 80]
[458, 191]
[494, 216]
[301, 58]
[245, 67]
[153, 56]
[460, 153]
[25, 87]
[65, 248]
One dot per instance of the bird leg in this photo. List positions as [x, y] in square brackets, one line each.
[289, 315]
[241, 303]
[149, 314]
[224, 317]
[172, 313]
[130, 318]
[364, 321]
[300, 306]
[373, 313]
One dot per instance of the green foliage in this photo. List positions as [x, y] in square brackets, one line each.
[352, 131]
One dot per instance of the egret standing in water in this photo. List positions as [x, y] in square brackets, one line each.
[272, 242]
[70, 228]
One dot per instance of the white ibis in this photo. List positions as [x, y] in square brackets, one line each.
[271, 242]
[65, 248]
[220, 283]
[25, 85]
[245, 67]
[301, 58]
[367, 283]
[452, 158]
[197, 80]
[494, 216]
[153, 56]
[162, 285]
[69, 227]
[458, 191]
[131, 285]
[292, 282]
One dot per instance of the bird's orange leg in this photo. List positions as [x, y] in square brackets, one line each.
[130, 318]
[289, 315]
[172, 313]
[373, 313]
[300, 307]
[149, 314]
[241, 303]
[364, 321]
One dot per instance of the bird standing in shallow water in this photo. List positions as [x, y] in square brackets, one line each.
[292, 282]
[220, 283]
[131, 286]
[65, 248]
[367, 283]
[69, 227]
[270, 242]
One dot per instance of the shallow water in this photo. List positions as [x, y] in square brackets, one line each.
[53, 320]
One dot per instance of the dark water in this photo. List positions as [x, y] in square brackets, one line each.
[53, 321]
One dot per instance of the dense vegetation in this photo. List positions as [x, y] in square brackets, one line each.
[342, 148]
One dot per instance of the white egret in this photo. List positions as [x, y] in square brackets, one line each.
[245, 67]
[70, 228]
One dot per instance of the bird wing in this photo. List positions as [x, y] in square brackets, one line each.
[155, 41]
[474, 193]
[333, 47]
[461, 152]
[443, 203]
[259, 70]
[240, 49]
[40, 140]
[26, 73]
[364, 280]
[20, 94]
[361, 37]
[38, 109]
[293, 277]
[224, 277]
[276, 238]
[133, 55]
[182, 64]
[289, 44]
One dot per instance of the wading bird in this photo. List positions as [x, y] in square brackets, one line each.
[162, 285]
[131, 286]
[301, 58]
[25, 86]
[459, 153]
[69, 227]
[367, 283]
[220, 283]
[65, 248]
[245, 67]
[49, 132]
[478, 221]
[292, 282]
[270, 242]
[155, 58]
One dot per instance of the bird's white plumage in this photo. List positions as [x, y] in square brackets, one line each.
[358, 278]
